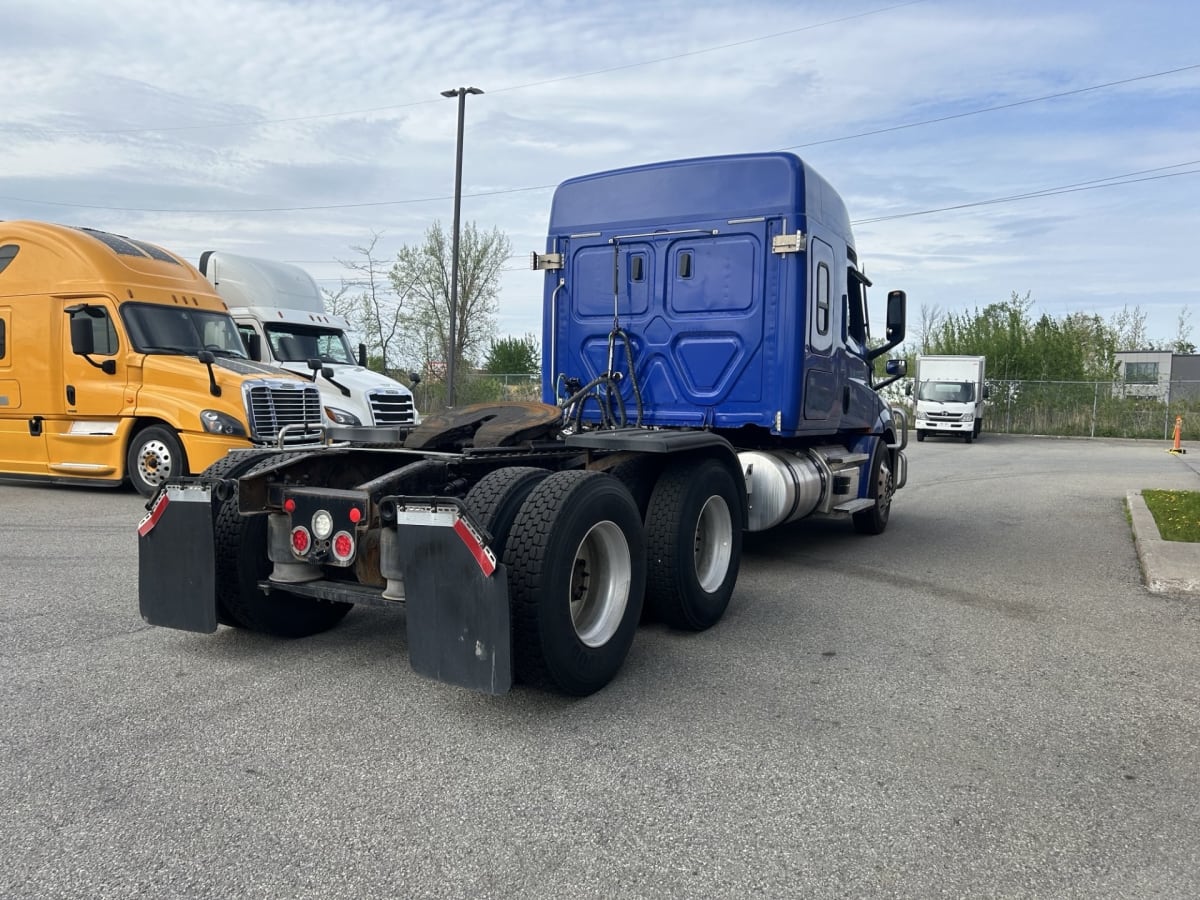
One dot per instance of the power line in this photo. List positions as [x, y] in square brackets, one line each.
[515, 87]
[988, 109]
[1108, 181]
[1094, 184]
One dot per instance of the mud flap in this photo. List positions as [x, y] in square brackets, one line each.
[177, 584]
[456, 599]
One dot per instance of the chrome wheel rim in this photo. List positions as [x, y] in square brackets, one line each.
[154, 463]
[600, 579]
[713, 544]
[883, 487]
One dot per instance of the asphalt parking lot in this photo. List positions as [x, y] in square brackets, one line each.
[984, 701]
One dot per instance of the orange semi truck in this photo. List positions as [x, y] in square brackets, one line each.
[118, 361]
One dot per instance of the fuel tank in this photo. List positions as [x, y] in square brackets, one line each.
[781, 485]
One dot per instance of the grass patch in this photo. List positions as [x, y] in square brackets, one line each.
[1177, 514]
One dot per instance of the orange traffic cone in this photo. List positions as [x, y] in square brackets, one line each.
[1175, 448]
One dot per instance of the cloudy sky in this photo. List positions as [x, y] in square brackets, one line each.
[297, 130]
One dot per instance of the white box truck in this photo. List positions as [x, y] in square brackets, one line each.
[280, 314]
[950, 396]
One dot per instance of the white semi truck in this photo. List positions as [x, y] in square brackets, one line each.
[281, 316]
[950, 396]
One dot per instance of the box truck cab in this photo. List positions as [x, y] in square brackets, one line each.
[119, 361]
[950, 396]
[280, 313]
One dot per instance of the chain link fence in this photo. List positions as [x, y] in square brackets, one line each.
[1061, 408]
[1088, 408]
[474, 387]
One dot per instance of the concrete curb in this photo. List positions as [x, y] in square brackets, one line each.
[1168, 567]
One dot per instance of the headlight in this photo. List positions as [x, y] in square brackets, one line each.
[216, 422]
[341, 416]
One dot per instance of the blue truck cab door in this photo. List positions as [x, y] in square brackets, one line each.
[821, 395]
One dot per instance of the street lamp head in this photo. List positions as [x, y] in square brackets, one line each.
[454, 92]
[450, 93]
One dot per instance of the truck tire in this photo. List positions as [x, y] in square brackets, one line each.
[978, 428]
[155, 455]
[883, 486]
[968, 437]
[920, 435]
[693, 544]
[240, 544]
[639, 475]
[230, 466]
[576, 562]
[497, 498]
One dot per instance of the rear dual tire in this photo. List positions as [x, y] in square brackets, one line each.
[576, 560]
[694, 528]
[240, 545]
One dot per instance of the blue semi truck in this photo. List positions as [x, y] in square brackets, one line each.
[707, 370]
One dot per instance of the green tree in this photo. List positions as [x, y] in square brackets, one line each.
[1130, 327]
[421, 273]
[514, 356]
[1098, 342]
[1183, 333]
[928, 325]
[1000, 331]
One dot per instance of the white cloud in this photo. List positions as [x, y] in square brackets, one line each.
[674, 79]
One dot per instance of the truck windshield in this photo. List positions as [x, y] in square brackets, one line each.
[173, 329]
[297, 343]
[946, 391]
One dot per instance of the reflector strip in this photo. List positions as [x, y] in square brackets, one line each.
[483, 555]
[151, 518]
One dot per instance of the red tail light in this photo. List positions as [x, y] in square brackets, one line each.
[301, 540]
[342, 546]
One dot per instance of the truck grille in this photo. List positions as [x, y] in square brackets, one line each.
[274, 405]
[391, 407]
[937, 416]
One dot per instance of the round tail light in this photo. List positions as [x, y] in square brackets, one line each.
[342, 546]
[301, 540]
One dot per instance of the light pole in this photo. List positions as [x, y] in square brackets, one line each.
[461, 94]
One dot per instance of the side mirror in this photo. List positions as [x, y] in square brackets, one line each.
[207, 357]
[895, 326]
[414, 377]
[987, 392]
[362, 355]
[908, 389]
[897, 303]
[83, 339]
[254, 347]
[897, 368]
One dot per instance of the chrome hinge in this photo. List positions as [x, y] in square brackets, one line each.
[546, 261]
[788, 243]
